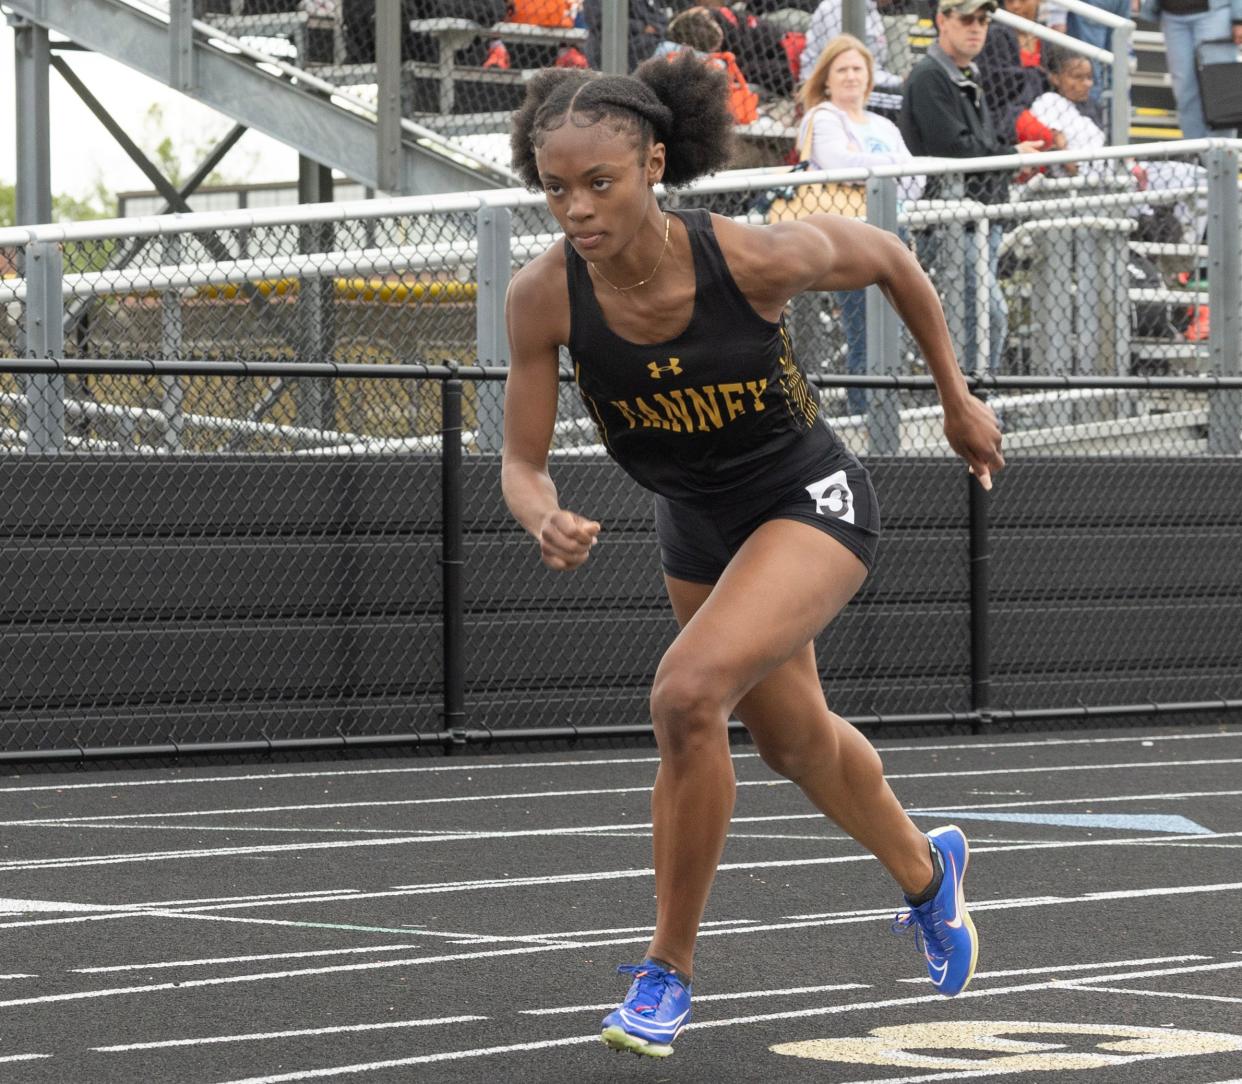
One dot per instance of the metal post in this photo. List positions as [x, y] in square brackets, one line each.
[883, 332]
[854, 19]
[980, 562]
[34, 155]
[1120, 105]
[45, 338]
[171, 330]
[181, 45]
[1224, 298]
[952, 263]
[1088, 338]
[1117, 242]
[985, 283]
[615, 37]
[494, 261]
[388, 107]
[315, 398]
[454, 709]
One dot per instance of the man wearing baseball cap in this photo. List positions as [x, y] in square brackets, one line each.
[944, 115]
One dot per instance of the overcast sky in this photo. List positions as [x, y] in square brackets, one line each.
[82, 150]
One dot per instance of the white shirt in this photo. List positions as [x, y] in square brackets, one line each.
[838, 141]
[1057, 111]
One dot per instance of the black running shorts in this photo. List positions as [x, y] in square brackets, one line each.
[834, 496]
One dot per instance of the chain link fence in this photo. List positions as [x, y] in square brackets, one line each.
[239, 512]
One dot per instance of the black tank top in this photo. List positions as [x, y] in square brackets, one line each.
[722, 409]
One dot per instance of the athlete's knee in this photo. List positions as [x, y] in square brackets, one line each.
[687, 709]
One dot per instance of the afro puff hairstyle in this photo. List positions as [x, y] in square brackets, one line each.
[681, 102]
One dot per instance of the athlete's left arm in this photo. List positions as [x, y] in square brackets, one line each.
[828, 252]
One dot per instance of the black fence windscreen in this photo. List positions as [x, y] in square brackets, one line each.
[220, 558]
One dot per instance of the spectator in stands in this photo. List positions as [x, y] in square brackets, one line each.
[1093, 33]
[695, 30]
[1186, 24]
[646, 25]
[1068, 117]
[844, 133]
[1009, 82]
[828, 22]
[757, 45]
[944, 114]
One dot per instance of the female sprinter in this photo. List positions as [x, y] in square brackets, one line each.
[767, 524]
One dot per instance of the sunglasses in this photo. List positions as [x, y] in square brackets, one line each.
[981, 18]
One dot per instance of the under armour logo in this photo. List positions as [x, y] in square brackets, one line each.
[673, 366]
[833, 497]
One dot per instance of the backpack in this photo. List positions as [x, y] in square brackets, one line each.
[759, 49]
[793, 42]
[743, 102]
[541, 12]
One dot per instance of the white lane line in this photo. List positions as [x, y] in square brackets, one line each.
[1160, 993]
[491, 765]
[22, 1057]
[25, 906]
[266, 897]
[129, 911]
[1061, 968]
[25, 865]
[828, 1010]
[482, 766]
[1201, 846]
[324, 806]
[350, 928]
[237, 829]
[701, 998]
[1092, 799]
[215, 961]
[524, 950]
[485, 939]
[395, 1063]
[260, 1036]
[19, 975]
[581, 793]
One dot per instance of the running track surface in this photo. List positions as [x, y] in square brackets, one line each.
[461, 919]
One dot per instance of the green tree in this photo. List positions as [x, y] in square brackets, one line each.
[176, 161]
[98, 203]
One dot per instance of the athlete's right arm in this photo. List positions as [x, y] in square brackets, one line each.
[538, 322]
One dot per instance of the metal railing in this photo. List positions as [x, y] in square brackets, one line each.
[1042, 283]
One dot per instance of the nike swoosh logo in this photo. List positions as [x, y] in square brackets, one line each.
[938, 971]
[959, 900]
[668, 1026]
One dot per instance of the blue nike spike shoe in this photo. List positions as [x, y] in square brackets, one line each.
[942, 926]
[653, 1013]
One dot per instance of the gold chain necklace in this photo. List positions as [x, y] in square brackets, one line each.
[626, 289]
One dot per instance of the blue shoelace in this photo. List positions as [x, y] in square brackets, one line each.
[652, 982]
[927, 927]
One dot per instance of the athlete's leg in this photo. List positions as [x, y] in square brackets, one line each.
[783, 586]
[835, 766]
